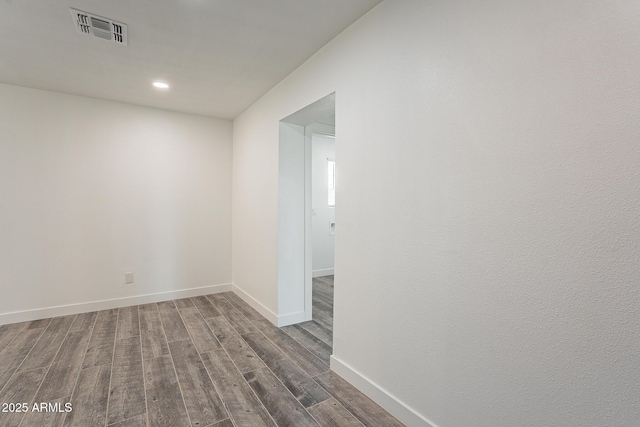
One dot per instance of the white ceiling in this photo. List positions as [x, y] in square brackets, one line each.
[219, 56]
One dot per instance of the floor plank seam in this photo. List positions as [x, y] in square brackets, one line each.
[202, 361]
[216, 388]
[48, 368]
[341, 405]
[126, 419]
[287, 390]
[144, 375]
[277, 377]
[285, 353]
[305, 346]
[24, 328]
[250, 388]
[113, 355]
[25, 358]
[175, 372]
[93, 325]
[337, 401]
[240, 373]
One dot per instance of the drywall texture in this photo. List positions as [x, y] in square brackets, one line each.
[323, 148]
[92, 189]
[488, 253]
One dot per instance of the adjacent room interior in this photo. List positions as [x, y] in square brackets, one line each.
[286, 213]
[307, 195]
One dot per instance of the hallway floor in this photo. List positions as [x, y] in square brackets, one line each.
[317, 334]
[203, 361]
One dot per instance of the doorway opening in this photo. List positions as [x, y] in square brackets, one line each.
[323, 224]
[307, 224]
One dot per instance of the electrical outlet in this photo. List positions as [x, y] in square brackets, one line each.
[128, 278]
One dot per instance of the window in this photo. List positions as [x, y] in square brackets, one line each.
[332, 182]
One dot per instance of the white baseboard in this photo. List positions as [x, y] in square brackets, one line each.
[382, 397]
[291, 318]
[65, 310]
[278, 320]
[323, 272]
[270, 315]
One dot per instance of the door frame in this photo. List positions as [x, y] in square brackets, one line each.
[295, 293]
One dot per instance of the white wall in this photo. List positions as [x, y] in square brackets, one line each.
[92, 189]
[488, 246]
[255, 208]
[323, 147]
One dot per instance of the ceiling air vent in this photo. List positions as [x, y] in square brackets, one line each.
[97, 26]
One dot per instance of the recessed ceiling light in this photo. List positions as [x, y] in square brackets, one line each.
[161, 85]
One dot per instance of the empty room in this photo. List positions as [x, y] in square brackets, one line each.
[320, 213]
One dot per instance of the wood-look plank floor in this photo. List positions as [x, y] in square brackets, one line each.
[316, 335]
[196, 362]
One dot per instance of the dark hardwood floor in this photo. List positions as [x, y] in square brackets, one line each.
[204, 361]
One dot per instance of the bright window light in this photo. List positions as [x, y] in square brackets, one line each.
[161, 85]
